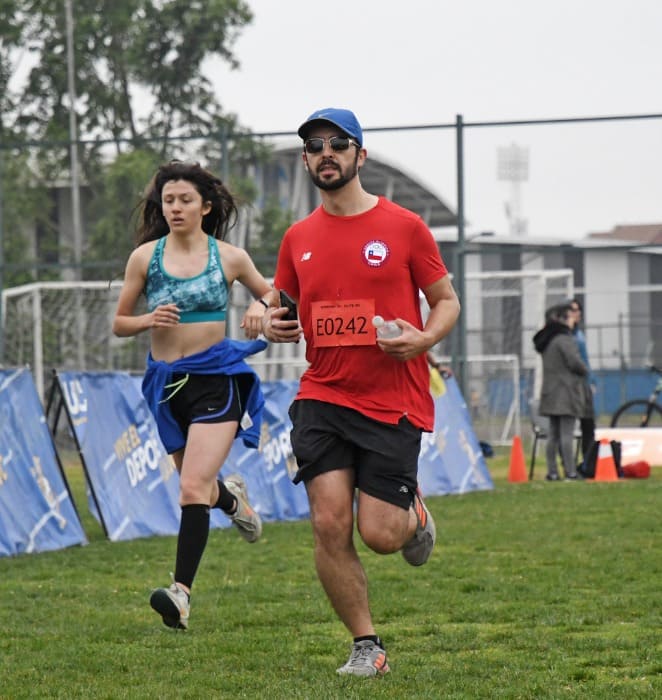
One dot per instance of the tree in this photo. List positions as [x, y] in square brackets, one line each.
[141, 97]
[110, 239]
[17, 187]
[21, 197]
[148, 48]
[272, 223]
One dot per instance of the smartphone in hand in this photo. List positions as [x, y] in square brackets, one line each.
[286, 300]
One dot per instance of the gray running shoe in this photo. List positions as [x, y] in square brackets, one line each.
[247, 521]
[366, 659]
[172, 604]
[417, 551]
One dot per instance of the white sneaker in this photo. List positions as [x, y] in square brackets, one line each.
[366, 659]
[246, 520]
[172, 604]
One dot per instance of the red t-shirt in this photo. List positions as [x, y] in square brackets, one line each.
[343, 270]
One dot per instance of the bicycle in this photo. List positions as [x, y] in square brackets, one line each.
[641, 413]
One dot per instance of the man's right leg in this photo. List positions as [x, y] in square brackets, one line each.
[325, 453]
[331, 497]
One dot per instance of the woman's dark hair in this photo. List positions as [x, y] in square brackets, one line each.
[574, 301]
[222, 215]
[558, 312]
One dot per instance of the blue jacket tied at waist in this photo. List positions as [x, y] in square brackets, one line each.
[226, 357]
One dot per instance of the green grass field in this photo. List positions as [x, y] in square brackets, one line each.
[535, 590]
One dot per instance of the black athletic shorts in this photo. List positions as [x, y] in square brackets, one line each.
[384, 456]
[205, 398]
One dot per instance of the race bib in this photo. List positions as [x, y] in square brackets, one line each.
[343, 322]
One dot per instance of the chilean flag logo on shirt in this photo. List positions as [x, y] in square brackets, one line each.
[375, 253]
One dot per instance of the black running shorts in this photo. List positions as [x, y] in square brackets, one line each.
[384, 456]
[205, 398]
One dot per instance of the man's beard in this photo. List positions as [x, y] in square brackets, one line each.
[331, 185]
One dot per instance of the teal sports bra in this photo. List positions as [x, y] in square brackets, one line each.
[203, 297]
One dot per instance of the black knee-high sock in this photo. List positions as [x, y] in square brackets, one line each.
[226, 501]
[191, 543]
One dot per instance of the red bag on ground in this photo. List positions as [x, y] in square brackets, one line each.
[637, 470]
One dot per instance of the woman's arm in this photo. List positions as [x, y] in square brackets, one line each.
[125, 323]
[239, 266]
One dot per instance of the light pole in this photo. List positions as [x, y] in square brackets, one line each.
[2, 265]
[73, 146]
[513, 167]
[461, 369]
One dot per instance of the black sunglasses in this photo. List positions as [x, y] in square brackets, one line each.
[337, 143]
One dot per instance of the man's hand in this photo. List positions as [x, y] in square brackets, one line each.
[278, 331]
[409, 344]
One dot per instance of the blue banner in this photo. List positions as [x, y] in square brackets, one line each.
[133, 483]
[451, 459]
[36, 510]
[268, 471]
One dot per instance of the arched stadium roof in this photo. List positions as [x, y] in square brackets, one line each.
[285, 178]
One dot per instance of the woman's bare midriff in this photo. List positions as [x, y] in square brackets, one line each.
[170, 344]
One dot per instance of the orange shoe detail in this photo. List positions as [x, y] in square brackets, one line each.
[420, 511]
[380, 664]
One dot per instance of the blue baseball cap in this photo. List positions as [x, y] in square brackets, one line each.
[342, 118]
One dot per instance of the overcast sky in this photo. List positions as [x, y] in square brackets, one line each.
[426, 61]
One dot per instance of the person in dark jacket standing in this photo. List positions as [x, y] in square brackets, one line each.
[587, 418]
[562, 396]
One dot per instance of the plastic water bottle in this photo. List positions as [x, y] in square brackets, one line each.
[386, 329]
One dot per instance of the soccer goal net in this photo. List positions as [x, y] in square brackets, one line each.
[65, 325]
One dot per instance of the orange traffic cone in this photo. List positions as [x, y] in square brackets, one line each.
[605, 467]
[517, 471]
